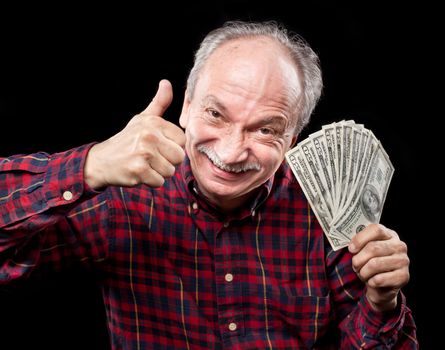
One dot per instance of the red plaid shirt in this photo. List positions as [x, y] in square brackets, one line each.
[178, 275]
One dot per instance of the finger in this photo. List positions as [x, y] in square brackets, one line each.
[391, 279]
[162, 166]
[159, 169]
[372, 232]
[154, 141]
[162, 99]
[165, 157]
[174, 133]
[152, 178]
[373, 249]
[380, 265]
[171, 151]
[140, 171]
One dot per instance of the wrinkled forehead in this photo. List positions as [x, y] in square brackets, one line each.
[258, 64]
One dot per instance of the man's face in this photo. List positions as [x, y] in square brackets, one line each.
[371, 201]
[240, 121]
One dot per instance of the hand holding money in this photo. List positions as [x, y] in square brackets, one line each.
[345, 174]
[381, 261]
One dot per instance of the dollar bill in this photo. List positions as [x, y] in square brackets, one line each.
[366, 207]
[344, 173]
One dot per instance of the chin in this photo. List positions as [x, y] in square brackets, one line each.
[216, 189]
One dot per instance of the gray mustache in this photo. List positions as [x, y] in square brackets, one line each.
[238, 168]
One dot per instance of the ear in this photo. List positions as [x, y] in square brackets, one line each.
[294, 141]
[183, 119]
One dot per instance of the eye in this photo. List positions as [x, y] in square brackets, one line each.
[214, 113]
[266, 131]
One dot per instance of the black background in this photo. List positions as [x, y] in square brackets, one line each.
[72, 76]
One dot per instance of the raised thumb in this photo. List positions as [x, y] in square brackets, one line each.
[162, 99]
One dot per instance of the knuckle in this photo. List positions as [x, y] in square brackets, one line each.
[405, 260]
[150, 137]
[392, 233]
[355, 263]
[401, 279]
[375, 264]
[377, 227]
[382, 231]
[178, 156]
[402, 247]
[377, 281]
[375, 247]
[136, 118]
[137, 168]
[355, 239]
[407, 276]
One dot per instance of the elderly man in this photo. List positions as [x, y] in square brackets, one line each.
[203, 239]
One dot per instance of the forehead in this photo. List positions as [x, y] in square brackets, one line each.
[255, 51]
[256, 67]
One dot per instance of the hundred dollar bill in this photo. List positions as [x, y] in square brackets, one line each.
[367, 207]
[362, 175]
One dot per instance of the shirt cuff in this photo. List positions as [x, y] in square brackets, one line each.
[383, 321]
[385, 325]
[64, 179]
[51, 181]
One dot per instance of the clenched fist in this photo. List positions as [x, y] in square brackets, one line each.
[144, 152]
[381, 261]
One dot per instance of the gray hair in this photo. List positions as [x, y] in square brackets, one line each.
[305, 59]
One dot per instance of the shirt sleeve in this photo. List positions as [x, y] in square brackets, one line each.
[360, 325]
[47, 212]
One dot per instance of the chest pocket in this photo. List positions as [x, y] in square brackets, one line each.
[303, 318]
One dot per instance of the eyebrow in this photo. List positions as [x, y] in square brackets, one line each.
[210, 99]
[273, 119]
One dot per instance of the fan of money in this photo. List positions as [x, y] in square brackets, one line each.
[345, 173]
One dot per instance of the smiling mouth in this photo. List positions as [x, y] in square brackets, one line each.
[216, 161]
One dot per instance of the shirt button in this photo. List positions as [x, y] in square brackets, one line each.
[194, 205]
[229, 277]
[226, 224]
[232, 326]
[67, 195]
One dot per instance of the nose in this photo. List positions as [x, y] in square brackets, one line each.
[233, 147]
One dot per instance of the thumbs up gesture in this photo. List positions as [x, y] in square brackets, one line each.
[144, 152]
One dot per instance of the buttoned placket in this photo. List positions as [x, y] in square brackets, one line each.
[228, 288]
